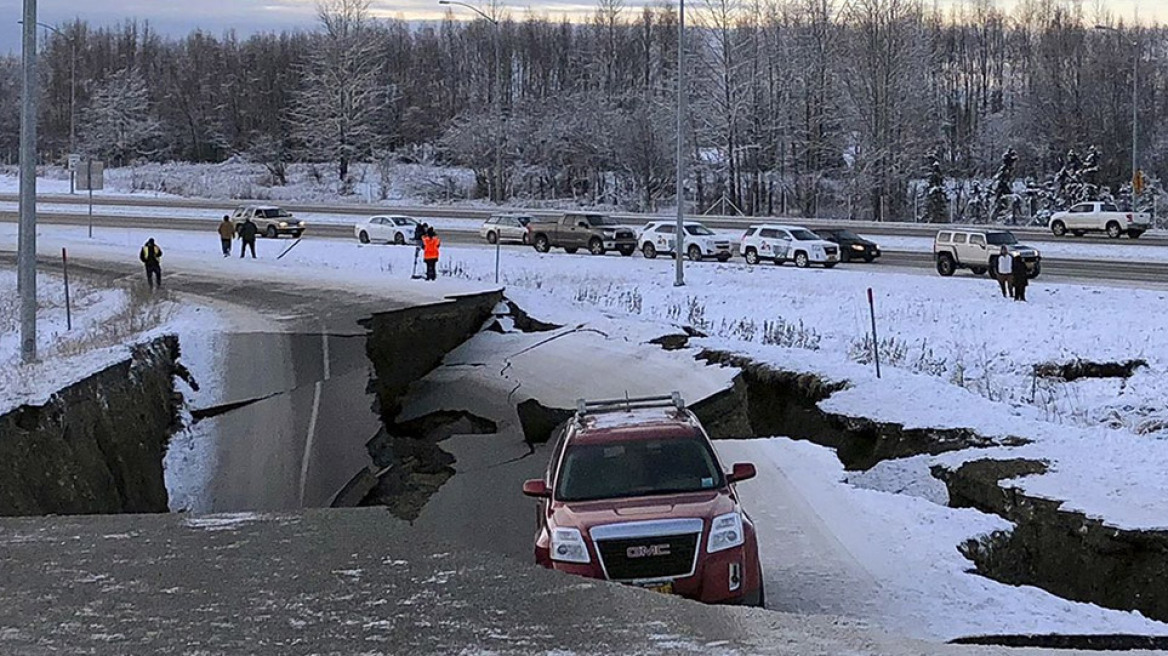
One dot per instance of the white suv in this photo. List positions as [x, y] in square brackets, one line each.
[700, 241]
[978, 250]
[784, 243]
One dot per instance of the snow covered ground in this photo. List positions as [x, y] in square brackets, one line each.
[955, 354]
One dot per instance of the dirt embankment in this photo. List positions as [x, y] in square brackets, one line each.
[97, 445]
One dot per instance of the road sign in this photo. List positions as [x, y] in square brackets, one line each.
[91, 175]
[74, 161]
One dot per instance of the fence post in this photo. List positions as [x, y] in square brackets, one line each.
[68, 307]
[875, 342]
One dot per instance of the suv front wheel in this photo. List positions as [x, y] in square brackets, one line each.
[945, 264]
[801, 260]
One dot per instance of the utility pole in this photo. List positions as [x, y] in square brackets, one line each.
[26, 250]
[497, 184]
[679, 238]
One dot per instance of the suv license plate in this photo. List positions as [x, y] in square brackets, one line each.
[664, 588]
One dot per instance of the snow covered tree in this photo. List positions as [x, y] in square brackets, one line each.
[1005, 200]
[118, 125]
[336, 111]
[936, 198]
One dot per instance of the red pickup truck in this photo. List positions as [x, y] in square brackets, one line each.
[634, 493]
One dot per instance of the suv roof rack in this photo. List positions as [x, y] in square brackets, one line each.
[584, 406]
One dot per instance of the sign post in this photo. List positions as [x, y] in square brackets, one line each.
[68, 307]
[91, 177]
[74, 163]
[875, 342]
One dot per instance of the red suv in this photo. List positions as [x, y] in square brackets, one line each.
[634, 493]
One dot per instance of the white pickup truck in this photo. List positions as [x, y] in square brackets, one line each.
[1099, 217]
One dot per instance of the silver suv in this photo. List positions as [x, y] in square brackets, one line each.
[978, 251]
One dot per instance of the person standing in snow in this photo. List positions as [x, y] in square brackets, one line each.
[1020, 278]
[1004, 272]
[430, 244]
[226, 234]
[247, 233]
[151, 256]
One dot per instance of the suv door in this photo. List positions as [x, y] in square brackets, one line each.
[663, 237]
[978, 253]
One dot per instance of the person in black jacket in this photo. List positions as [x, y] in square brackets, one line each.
[247, 235]
[1021, 279]
[151, 256]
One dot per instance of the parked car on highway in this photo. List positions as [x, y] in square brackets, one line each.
[784, 243]
[271, 221]
[1099, 217]
[852, 246]
[392, 228]
[634, 493]
[599, 233]
[700, 242]
[978, 251]
[506, 227]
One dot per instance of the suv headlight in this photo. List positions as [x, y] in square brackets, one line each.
[725, 532]
[568, 546]
[857, 247]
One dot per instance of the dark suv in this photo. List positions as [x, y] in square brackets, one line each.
[634, 493]
[852, 246]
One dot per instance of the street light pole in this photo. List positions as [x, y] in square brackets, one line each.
[679, 237]
[497, 183]
[26, 250]
[1135, 44]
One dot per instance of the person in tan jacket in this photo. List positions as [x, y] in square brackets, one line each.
[226, 234]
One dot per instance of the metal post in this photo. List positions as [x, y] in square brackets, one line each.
[498, 246]
[73, 109]
[26, 270]
[68, 307]
[89, 186]
[1135, 120]
[498, 112]
[875, 342]
[679, 238]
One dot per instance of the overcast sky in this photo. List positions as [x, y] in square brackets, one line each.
[178, 17]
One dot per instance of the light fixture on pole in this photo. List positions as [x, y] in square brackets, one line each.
[26, 250]
[1136, 177]
[679, 237]
[497, 182]
[72, 97]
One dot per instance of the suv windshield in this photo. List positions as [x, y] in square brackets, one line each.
[633, 469]
[599, 220]
[804, 235]
[271, 213]
[699, 230]
[1001, 238]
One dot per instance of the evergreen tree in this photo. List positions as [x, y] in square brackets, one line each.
[936, 198]
[1005, 200]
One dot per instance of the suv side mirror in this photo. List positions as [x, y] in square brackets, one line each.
[742, 471]
[537, 488]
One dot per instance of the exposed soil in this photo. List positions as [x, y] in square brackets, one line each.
[1077, 369]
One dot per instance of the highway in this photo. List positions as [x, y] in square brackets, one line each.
[1068, 269]
[216, 208]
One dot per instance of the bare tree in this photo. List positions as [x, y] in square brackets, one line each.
[119, 124]
[342, 93]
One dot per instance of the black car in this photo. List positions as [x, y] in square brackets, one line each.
[852, 246]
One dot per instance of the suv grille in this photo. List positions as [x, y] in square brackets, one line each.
[664, 556]
[830, 250]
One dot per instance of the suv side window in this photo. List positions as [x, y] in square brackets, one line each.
[769, 233]
[977, 240]
[666, 229]
[959, 238]
[750, 232]
[944, 237]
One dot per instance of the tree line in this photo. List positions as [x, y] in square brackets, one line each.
[803, 107]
